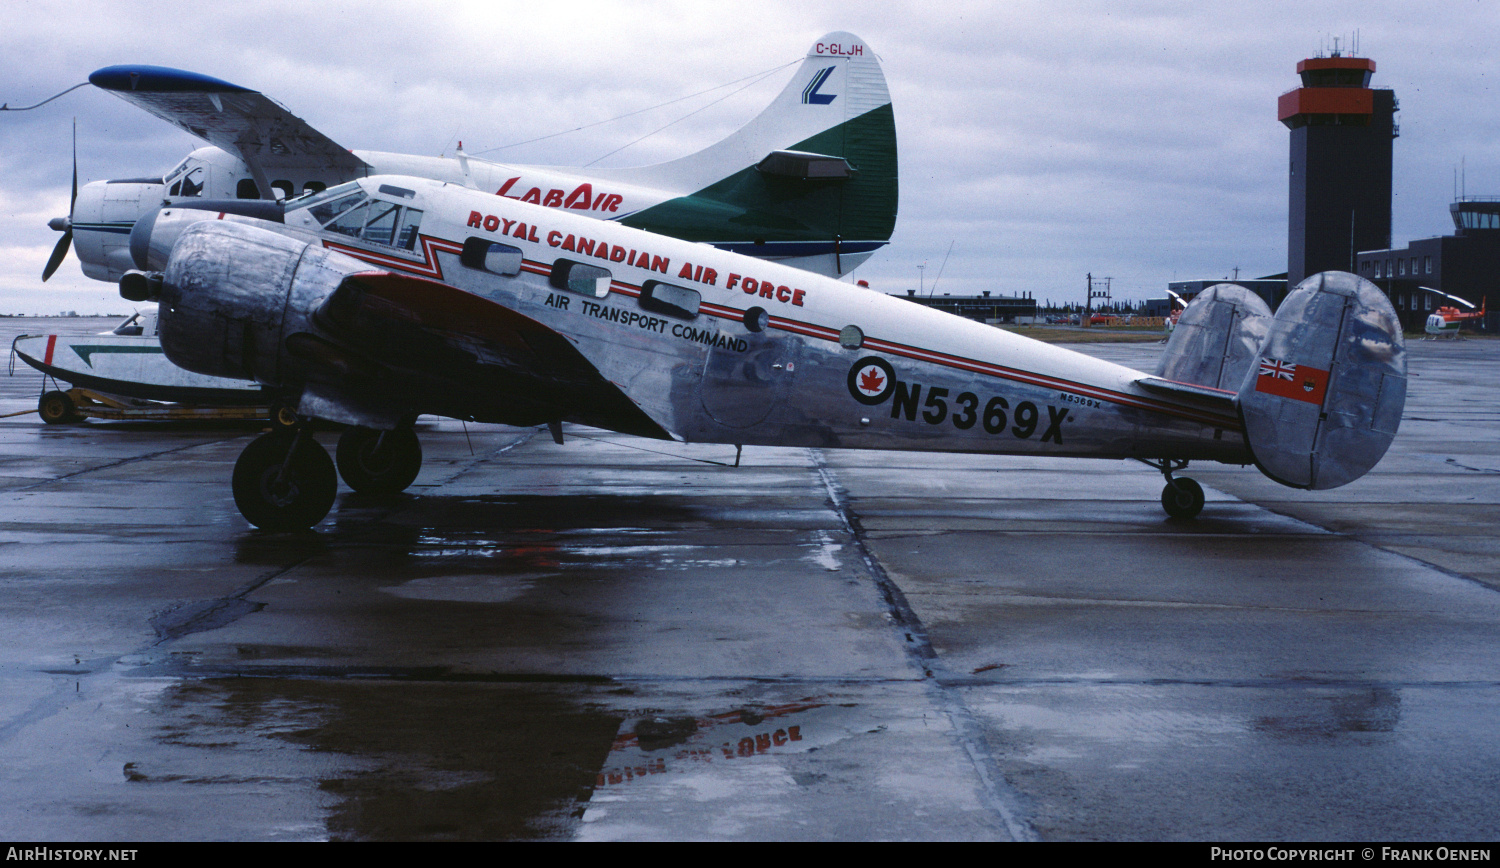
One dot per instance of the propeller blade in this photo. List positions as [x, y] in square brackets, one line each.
[58, 253]
[74, 200]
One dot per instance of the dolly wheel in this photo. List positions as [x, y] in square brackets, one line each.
[1182, 498]
[56, 408]
[284, 481]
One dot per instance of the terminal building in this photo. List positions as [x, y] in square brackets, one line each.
[1465, 264]
[983, 308]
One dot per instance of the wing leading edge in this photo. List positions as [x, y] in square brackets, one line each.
[247, 123]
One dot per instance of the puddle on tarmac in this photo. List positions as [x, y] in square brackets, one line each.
[466, 760]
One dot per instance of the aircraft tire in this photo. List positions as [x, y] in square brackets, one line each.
[56, 408]
[386, 471]
[295, 500]
[1182, 498]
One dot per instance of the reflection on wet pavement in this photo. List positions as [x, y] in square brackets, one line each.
[595, 642]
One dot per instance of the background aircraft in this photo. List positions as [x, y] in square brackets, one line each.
[811, 181]
[1448, 320]
[389, 297]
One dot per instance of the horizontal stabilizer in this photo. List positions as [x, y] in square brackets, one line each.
[1324, 401]
[1221, 399]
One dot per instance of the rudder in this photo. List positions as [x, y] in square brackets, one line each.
[1324, 402]
[762, 192]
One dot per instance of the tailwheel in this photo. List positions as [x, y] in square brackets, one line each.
[284, 481]
[379, 462]
[1182, 498]
[57, 408]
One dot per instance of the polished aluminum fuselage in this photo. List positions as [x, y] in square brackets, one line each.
[832, 365]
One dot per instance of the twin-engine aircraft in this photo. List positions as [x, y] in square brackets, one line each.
[811, 181]
[382, 299]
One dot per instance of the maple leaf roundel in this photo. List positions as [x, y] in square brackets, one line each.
[871, 380]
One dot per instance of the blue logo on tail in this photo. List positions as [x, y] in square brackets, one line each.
[810, 95]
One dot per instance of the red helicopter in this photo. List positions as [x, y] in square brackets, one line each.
[1448, 319]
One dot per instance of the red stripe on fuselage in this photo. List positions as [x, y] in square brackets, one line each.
[431, 267]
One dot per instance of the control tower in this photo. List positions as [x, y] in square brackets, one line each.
[1342, 134]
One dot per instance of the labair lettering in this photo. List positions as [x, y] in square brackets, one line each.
[580, 198]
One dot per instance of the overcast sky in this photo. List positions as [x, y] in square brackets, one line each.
[1041, 140]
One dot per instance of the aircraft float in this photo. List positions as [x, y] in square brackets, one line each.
[127, 362]
[388, 297]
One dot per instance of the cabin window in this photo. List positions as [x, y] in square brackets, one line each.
[490, 256]
[314, 187]
[677, 301]
[283, 188]
[581, 278]
[852, 337]
[398, 192]
[756, 319]
[246, 189]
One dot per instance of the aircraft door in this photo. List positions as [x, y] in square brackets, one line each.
[749, 371]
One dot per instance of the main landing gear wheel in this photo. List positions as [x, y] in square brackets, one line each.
[56, 408]
[1182, 498]
[284, 481]
[379, 462]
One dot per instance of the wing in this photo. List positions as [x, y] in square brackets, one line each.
[243, 122]
[408, 345]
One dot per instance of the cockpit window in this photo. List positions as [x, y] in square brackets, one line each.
[130, 326]
[328, 209]
[372, 220]
[382, 222]
[312, 195]
[190, 184]
[348, 210]
[347, 220]
[411, 220]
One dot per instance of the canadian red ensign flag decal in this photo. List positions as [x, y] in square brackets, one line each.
[1287, 380]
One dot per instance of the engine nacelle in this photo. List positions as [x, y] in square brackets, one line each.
[156, 232]
[232, 294]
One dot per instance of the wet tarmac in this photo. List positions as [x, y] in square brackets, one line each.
[623, 639]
